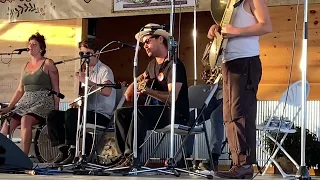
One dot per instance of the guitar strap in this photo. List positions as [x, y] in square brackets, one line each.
[237, 3]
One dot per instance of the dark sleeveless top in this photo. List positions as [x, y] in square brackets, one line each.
[38, 81]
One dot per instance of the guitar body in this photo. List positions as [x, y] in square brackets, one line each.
[223, 12]
[144, 99]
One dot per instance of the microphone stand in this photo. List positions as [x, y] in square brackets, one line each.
[303, 173]
[1, 54]
[9, 54]
[79, 167]
[72, 59]
[172, 54]
[136, 167]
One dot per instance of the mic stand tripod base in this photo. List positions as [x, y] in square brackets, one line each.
[303, 173]
[82, 167]
[137, 168]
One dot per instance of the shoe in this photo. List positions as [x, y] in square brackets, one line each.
[127, 162]
[237, 172]
[63, 154]
[206, 165]
[115, 162]
[71, 156]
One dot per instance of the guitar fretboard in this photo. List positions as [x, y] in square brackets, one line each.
[228, 13]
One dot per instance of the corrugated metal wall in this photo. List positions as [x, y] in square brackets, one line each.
[265, 109]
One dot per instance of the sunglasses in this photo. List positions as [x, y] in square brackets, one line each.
[147, 41]
[84, 53]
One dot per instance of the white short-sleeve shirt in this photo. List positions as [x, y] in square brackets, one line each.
[105, 105]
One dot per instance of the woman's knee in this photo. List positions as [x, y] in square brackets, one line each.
[13, 124]
[28, 121]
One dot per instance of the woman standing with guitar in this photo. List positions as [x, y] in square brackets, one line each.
[241, 72]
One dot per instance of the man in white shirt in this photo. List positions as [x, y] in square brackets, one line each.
[62, 125]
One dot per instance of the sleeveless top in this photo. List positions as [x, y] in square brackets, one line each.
[240, 47]
[38, 81]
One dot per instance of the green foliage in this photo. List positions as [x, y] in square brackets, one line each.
[292, 144]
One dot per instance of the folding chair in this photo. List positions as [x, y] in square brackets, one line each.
[120, 98]
[289, 102]
[199, 98]
[101, 130]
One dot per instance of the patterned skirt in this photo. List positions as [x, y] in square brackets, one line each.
[35, 102]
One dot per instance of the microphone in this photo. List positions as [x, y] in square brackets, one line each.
[21, 50]
[123, 44]
[114, 86]
[52, 92]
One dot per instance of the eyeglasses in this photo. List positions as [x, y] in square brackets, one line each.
[147, 41]
[84, 53]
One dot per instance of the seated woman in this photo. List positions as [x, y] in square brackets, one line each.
[32, 100]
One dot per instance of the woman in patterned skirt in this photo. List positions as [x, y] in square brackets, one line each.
[31, 101]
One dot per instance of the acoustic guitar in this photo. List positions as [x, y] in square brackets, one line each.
[144, 99]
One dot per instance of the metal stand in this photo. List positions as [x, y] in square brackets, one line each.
[173, 56]
[1, 54]
[170, 169]
[303, 173]
[6, 117]
[81, 166]
[136, 162]
[9, 135]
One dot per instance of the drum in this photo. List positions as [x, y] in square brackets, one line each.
[106, 147]
[42, 145]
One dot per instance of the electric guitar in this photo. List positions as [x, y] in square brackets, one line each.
[222, 12]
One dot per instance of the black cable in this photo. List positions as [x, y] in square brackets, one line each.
[9, 60]
[155, 127]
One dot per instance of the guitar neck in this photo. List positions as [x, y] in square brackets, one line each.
[229, 13]
[228, 17]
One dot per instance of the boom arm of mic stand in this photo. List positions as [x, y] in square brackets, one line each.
[72, 59]
[8, 53]
[98, 89]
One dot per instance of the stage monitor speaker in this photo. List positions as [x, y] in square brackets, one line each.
[12, 157]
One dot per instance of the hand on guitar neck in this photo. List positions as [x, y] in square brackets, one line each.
[213, 30]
